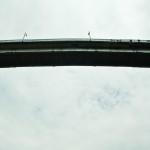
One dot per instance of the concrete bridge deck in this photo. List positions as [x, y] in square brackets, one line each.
[75, 52]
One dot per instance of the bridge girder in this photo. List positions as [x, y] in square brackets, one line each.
[75, 52]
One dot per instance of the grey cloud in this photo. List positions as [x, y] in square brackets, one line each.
[55, 108]
[64, 19]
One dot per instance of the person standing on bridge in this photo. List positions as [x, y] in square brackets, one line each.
[89, 34]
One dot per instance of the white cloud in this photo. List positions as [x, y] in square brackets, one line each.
[74, 18]
[53, 108]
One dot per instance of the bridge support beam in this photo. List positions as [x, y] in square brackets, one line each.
[75, 59]
[77, 52]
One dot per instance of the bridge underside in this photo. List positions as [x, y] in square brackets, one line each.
[75, 59]
[74, 53]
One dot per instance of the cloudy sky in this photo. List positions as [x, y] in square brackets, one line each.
[77, 108]
[74, 18]
[74, 108]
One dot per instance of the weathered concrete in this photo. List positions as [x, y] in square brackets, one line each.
[75, 52]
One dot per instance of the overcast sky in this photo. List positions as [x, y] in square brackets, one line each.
[74, 108]
[77, 108]
[74, 18]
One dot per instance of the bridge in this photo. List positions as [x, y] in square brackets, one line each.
[75, 52]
